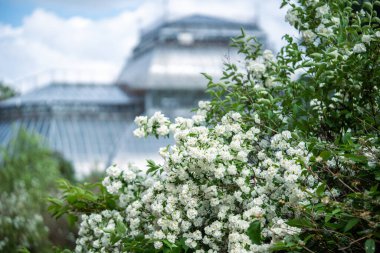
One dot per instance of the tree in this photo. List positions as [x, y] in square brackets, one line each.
[6, 92]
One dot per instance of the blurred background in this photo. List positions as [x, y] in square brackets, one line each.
[79, 72]
[75, 74]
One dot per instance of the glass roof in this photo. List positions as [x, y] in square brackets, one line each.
[89, 143]
[71, 93]
[174, 54]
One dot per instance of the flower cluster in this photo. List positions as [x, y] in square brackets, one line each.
[158, 124]
[214, 183]
[96, 230]
[258, 69]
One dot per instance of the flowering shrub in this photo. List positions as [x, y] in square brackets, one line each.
[206, 193]
[283, 158]
[28, 171]
[21, 226]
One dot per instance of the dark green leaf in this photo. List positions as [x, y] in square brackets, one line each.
[320, 190]
[350, 224]
[254, 232]
[370, 246]
[300, 223]
[72, 219]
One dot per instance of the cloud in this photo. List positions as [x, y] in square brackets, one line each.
[47, 42]
[97, 49]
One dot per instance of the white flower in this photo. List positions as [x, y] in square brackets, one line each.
[242, 156]
[323, 10]
[163, 130]
[158, 245]
[335, 20]
[205, 105]
[325, 30]
[129, 175]
[191, 214]
[235, 116]
[219, 172]
[199, 119]
[114, 171]
[139, 133]
[312, 2]
[268, 55]
[114, 187]
[366, 39]
[257, 119]
[256, 67]
[141, 120]
[231, 170]
[291, 17]
[359, 48]
[308, 36]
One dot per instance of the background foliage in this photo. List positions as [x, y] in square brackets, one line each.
[6, 91]
[28, 172]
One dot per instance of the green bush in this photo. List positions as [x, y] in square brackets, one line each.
[28, 173]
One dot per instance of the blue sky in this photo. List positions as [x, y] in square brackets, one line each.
[90, 40]
[13, 11]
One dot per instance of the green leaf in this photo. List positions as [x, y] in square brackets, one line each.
[300, 223]
[152, 167]
[367, 5]
[356, 158]
[350, 224]
[169, 244]
[321, 189]
[336, 211]
[328, 217]
[334, 225]
[23, 250]
[120, 228]
[316, 55]
[376, 19]
[72, 219]
[254, 232]
[370, 246]
[325, 154]
[279, 246]
[183, 245]
[208, 77]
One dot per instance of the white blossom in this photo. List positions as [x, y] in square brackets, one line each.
[366, 39]
[322, 10]
[308, 36]
[359, 48]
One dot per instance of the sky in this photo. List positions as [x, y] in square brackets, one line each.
[90, 40]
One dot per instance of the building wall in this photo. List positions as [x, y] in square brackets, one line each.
[173, 103]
